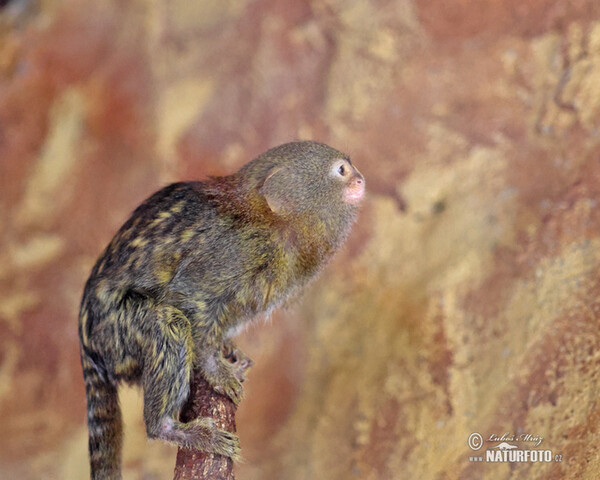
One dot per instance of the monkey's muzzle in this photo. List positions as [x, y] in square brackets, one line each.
[355, 190]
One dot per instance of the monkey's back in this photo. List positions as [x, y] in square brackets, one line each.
[162, 225]
[184, 248]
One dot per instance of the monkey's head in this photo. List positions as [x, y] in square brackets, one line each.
[310, 181]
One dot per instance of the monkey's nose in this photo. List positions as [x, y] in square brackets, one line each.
[360, 180]
[355, 189]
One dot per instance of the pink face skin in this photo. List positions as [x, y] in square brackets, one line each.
[344, 171]
[355, 190]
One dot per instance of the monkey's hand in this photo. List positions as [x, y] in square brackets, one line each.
[222, 377]
[238, 359]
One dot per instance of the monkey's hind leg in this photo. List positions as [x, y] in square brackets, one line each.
[104, 421]
[166, 382]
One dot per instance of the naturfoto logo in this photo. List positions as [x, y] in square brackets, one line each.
[506, 450]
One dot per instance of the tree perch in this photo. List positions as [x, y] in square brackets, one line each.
[205, 402]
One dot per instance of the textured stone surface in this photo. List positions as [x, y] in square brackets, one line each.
[467, 298]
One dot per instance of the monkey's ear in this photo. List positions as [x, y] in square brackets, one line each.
[273, 189]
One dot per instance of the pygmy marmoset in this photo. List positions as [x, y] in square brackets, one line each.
[194, 263]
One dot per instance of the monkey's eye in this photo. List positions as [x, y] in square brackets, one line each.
[340, 169]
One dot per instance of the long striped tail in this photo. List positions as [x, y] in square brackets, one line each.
[104, 421]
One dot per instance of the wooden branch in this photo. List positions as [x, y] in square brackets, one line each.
[205, 402]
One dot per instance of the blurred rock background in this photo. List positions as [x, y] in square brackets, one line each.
[467, 299]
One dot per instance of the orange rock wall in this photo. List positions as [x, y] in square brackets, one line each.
[467, 299]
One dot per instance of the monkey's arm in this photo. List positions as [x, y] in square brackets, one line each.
[207, 288]
[222, 375]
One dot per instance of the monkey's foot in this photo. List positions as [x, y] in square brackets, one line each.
[200, 434]
[226, 443]
[240, 362]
